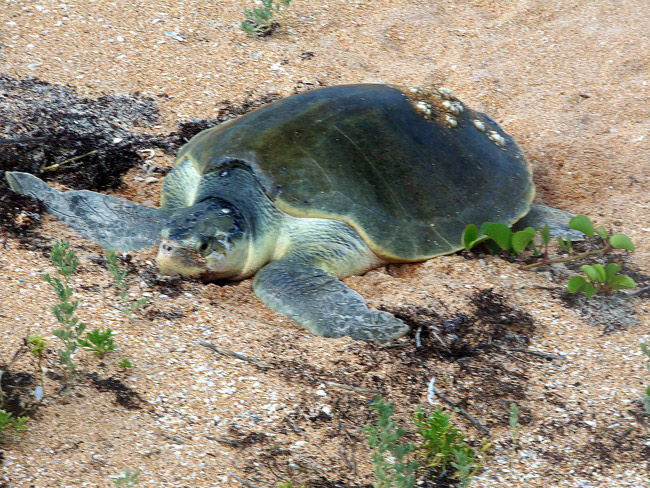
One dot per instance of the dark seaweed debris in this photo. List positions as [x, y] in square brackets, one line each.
[94, 141]
[44, 124]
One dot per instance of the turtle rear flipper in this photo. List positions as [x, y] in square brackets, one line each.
[557, 220]
[323, 304]
[113, 223]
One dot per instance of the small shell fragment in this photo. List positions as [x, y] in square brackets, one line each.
[173, 35]
[431, 391]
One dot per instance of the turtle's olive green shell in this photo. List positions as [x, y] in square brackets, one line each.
[408, 169]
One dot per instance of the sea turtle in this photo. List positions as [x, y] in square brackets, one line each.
[317, 187]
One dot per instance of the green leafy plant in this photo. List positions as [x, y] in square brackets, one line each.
[98, 341]
[537, 241]
[261, 20]
[124, 363]
[72, 330]
[646, 395]
[397, 472]
[36, 345]
[439, 438]
[8, 421]
[583, 224]
[514, 427]
[129, 307]
[501, 239]
[444, 446]
[64, 259]
[128, 479]
[465, 464]
[514, 423]
[600, 280]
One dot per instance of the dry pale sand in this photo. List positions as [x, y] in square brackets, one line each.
[570, 80]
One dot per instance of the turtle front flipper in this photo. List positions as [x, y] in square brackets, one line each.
[323, 304]
[113, 223]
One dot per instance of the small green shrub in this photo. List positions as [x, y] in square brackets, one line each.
[129, 307]
[445, 446]
[288, 484]
[71, 333]
[36, 345]
[8, 421]
[514, 428]
[514, 424]
[64, 259]
[262, 20]
[124, 363]
[397, 472]
[439, 438]
[98, 341]
[127, 480]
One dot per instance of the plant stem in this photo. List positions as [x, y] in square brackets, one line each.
[570, 258]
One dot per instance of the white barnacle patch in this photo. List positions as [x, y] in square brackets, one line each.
[446, 93]
[450, 120]
[415, 89]
[224, 173]
[423, 107]
[225, 210]
[496, 138]
[453, 107]
[479, 125]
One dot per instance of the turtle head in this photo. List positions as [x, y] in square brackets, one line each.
[207, 241]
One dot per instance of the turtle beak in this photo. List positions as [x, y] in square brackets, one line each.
[174, 259]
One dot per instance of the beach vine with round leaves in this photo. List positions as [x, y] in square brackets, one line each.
[599, 279]
[499, 238]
